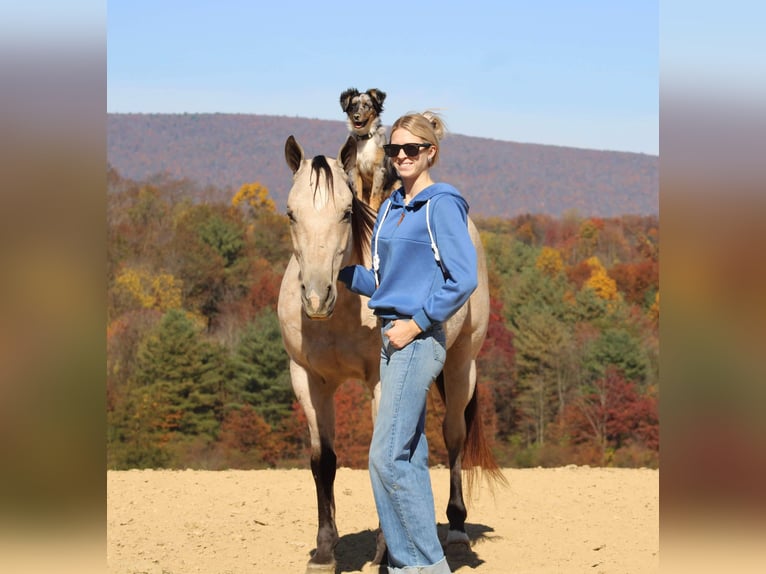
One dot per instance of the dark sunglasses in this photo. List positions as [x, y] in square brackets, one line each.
[410, 149]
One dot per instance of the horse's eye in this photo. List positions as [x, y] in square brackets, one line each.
[290, 216]
[347, 215]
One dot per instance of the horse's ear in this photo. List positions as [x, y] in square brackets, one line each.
[347, 154]
[293, 154]
[346, 97]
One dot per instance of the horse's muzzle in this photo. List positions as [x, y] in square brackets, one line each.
[318, 304]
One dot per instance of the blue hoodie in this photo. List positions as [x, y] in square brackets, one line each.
[412, 285]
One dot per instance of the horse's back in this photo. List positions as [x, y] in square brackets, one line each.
[468, 326]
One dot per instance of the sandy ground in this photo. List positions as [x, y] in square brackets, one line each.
[562, 520]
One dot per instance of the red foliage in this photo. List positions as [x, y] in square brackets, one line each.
[635, 279]
[264, 290]
[495, 364]
[245, 431]
[499, 340]
[353, 424]
[293, 436]
[597, 222]
[578, 273]
[614, 415]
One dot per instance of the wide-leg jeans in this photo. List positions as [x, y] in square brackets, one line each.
[401, 482]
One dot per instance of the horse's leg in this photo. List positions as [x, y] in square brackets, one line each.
[459, 385]
[317, 403]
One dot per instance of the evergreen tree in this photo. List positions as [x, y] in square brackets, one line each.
[180, 368]
[617, 347]
[261, 369]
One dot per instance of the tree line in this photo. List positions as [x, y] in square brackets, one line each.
[197, 376]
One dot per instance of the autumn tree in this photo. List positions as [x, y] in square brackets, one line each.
[600, 282]
[136, 288]
[610, 414]
[588, 237]
[211, 258]
[253, 199]
[353, 424]
[637, 281]
[246, 440]
[495, 365]
[549, 261]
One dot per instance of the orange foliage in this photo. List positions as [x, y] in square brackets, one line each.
[245, 431]
[635, 279]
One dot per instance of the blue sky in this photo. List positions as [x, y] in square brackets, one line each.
[581, 74]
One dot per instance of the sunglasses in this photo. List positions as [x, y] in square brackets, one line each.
[410, 149]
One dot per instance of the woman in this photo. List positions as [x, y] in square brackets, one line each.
[413, 294]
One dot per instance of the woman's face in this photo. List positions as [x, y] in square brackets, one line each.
[410, 167]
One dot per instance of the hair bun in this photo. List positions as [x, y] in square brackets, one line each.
[436, 123]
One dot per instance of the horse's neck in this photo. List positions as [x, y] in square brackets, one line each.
[365, 259]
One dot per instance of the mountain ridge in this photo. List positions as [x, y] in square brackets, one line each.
[498, 177]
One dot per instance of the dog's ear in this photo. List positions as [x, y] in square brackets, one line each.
[293, 154]
[347, 154]
[378, 97]
[346, 97]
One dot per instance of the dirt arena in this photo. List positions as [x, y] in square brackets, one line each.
[562, 520]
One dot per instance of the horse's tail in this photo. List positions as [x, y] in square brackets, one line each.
[477, 454]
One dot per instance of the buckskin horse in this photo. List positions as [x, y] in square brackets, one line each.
[331, 336]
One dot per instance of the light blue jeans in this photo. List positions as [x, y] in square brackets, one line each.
[401, 483]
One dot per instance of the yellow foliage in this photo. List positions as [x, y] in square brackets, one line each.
[167, 292]
[255, 197]
[162, 291]
[549, 261]
[604, 286]
[595, 265]
[588, 237]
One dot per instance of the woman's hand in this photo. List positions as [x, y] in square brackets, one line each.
[402, 332]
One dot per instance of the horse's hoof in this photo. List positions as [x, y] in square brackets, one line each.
[457, 537]
[314, 568]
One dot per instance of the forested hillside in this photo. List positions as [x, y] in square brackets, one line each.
[197, 374]
[499, 178]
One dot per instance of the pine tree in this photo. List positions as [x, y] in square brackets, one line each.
[260, 367]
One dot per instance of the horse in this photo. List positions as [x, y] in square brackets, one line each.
[331, 336]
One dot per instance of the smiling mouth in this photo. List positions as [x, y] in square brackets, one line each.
[360, 125]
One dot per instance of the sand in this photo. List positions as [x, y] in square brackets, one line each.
[568, 520]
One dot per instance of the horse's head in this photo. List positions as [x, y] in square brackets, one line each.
[329, 227]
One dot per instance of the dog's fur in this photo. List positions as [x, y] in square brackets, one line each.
[373, 177]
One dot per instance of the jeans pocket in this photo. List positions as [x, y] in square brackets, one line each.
[440, 348]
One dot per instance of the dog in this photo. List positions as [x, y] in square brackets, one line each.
[373, 178]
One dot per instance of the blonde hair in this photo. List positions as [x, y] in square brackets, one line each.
[428, 126]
